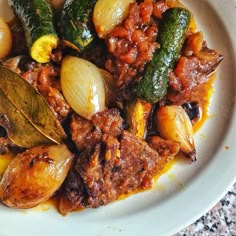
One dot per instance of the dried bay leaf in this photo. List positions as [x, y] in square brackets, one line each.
[25, 114]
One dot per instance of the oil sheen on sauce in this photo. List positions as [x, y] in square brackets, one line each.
[203, 96]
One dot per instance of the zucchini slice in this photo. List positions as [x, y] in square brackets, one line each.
[76, 25]
[36, 17]
[153, 85]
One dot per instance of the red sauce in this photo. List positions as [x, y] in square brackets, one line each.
[203, 96]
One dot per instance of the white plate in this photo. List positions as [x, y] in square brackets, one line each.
[186, 191]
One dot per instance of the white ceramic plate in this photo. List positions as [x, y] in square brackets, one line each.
[186, 191]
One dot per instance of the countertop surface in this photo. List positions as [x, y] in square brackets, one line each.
[219, 221]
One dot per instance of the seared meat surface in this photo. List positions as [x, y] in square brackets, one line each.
[81, 132]
[114, 166]
[191, 71]
[109, 122]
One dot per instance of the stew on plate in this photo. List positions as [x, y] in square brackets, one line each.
[97, 97]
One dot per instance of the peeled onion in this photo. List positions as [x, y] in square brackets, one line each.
[83, 86]
[33, 176]
[109, 13]
[173, 123]
[5, 39]
[110, 88]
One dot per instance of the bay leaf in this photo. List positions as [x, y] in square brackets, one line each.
[25, 114]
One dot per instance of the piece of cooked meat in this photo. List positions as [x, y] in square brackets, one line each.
[73, 192]
[83, 132]
[112, 168]
[190, 72]
[109, 121]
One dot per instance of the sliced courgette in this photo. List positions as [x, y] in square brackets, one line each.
[172, 29]
[36, 17]
[76, 24]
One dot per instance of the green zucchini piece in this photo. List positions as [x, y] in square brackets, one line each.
[172, 29]
[76, 24]
[36, 17]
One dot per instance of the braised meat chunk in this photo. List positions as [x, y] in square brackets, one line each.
[109, 122]
[87, 132]
[83, 132]
[192, 70]
[112, 168]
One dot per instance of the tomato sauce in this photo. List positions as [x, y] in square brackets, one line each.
[204, 95]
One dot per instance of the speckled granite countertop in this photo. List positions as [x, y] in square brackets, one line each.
[219, 221]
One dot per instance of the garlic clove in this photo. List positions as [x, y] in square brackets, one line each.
[82, 86]
[173, 123]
